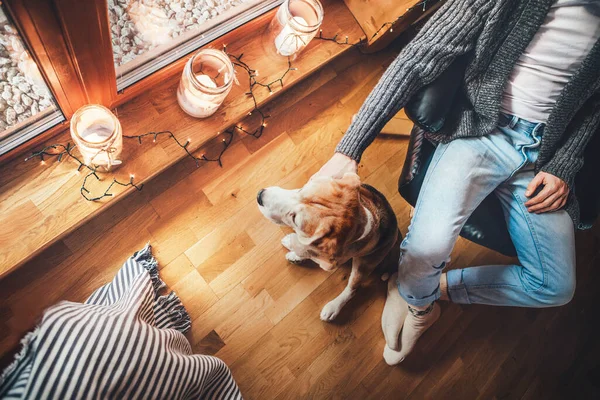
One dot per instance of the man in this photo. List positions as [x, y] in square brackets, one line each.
[531, 104]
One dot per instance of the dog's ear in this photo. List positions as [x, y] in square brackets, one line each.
[329, 237]
[325, 238]
[309, 240]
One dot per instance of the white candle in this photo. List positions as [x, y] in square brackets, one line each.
[206, 81]
[199, 94]
[196, 103]
[97, 134]
[289, 41]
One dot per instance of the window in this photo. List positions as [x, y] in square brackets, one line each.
[147, 35]
[27, 107]
[59, 55]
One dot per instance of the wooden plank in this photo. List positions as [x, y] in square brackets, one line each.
[384, 20]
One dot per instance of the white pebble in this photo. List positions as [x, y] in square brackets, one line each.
[26, 100]
[11, 116]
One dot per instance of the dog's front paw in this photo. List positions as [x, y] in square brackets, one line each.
[330, 311]
[293, 258]
[287, 241]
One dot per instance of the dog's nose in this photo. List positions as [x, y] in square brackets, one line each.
[259, 197]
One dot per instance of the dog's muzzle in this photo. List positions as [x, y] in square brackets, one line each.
[259, 197]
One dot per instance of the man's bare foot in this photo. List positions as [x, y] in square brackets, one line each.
[394, 313]
[414, 327]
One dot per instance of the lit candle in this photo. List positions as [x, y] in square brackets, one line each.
[195, 103]
[289, 41]
[295, 24]
[200, 94]
[98, 136]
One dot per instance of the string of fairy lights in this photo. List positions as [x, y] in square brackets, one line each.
[59, 151]
[384, 26]
[229, 134]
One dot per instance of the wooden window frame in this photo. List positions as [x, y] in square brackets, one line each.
[40, 29]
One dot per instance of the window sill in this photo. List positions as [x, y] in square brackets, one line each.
[40, 204]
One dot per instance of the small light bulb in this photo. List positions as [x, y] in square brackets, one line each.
[264, 124]
[250, 113]
[223, 140]
[189, 140]
[391, 29]
[42, 162]
[131, 176]
[270, 93]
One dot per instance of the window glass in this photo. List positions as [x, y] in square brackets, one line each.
[27, 106]
[149, 34]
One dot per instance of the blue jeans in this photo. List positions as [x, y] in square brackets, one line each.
[461, 174]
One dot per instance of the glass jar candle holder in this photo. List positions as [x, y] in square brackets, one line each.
[295, 24]
[205, 83]
[98, 136]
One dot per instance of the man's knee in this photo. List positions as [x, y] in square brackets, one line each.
[432, 251]
[561, 292]
[555, 292]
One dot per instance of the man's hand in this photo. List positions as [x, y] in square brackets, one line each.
[337, 166]
[551, 198]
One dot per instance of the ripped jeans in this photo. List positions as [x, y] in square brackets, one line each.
[461, 174]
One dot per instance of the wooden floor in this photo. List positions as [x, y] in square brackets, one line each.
[261, 314]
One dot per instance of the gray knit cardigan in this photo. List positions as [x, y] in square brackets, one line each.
[494, 33]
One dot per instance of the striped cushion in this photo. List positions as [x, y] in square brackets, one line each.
[124, 342]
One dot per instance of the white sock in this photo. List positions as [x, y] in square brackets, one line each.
[414, 327]
[394, 314]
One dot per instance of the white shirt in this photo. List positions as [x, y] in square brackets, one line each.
[554, 54]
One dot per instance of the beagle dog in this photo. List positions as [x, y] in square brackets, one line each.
[334, 221]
